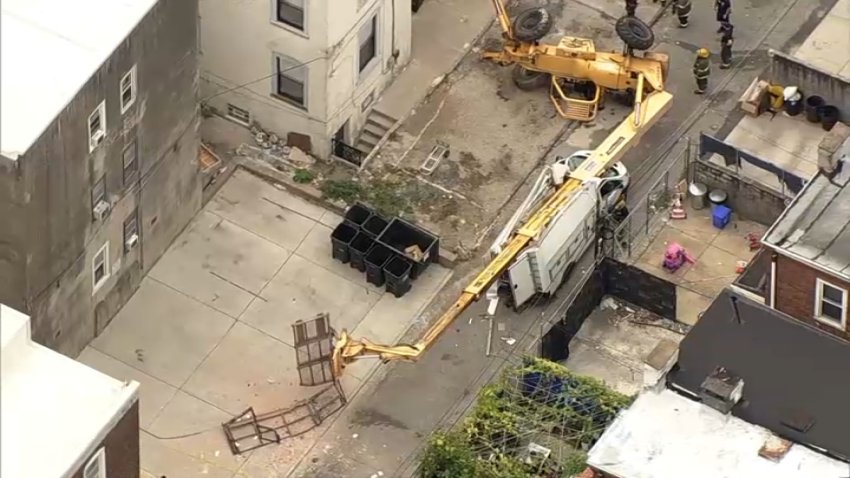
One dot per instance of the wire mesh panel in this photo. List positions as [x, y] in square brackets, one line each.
[314, 345]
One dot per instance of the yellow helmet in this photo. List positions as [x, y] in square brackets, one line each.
[703, 53]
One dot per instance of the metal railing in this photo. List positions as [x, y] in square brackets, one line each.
[347, 153]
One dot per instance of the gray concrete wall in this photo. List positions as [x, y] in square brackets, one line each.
[12, 234]
[57, 233]
[747, 198]
[789, 71]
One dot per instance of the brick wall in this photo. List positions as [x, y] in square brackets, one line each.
[122, 447]
[795, 292]
[747, 199]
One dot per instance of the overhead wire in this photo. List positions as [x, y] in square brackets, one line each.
[275, 73]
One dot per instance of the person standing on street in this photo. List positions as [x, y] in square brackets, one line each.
[682, 9]
[724, 12]
[702, 68]
[631, 7]
[726, 46]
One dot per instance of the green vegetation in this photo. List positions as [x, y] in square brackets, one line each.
[537, 402]
[303, 176]
[388, 197]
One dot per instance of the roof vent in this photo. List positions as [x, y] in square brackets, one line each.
[721, 390]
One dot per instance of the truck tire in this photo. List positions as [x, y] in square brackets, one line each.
[532, 25]
[528, 80]
[415, 4]
[636, 34]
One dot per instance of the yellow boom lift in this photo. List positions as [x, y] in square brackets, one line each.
[610, 71]
[578, 75]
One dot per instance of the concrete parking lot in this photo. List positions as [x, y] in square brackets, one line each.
[208, 334]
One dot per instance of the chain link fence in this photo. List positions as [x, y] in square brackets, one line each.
[627, 240]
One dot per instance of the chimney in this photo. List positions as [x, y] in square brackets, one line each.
[721, 390]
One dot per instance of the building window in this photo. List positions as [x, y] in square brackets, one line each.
[239, 115]
[128, 89]
[131, 163]
[97, 126]
[131, 230]
[96, 466]
[831, 304]
[100, 268]
[290, 81]
[368, 45]
[98, 192]
[291, 12]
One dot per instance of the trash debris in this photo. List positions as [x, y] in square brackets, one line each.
[355, 435]
[500, 326]
[740, 266]
[609, 303]
[508, 340]
[414, 252]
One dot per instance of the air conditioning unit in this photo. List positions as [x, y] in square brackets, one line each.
[101, 209]
[97, 138]
[131, 241]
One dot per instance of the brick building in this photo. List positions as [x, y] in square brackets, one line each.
[99, 143]
[809, 246]
[60, 417]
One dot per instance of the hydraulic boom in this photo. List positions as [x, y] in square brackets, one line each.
[612, 149]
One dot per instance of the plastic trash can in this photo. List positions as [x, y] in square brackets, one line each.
[375, 225]
[720, 216]
[376, 259]
[340, 239]
[828, 116]
[397, 274]
[697, 192]
[357, 250]
[717, 196]
[358, 214]
[400, 234]
[812, 104]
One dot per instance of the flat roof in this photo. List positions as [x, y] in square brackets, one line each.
[55, 410]
[815, 228]
[50, 49]
[666, 435]
[781, 360]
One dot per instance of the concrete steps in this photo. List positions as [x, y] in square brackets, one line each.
[376, 126]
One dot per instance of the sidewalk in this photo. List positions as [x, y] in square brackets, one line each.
[459, 23]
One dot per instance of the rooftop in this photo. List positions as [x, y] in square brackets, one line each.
[77, 37]
[782, 361]
[51, 402]
[814, 228]
[666, 435]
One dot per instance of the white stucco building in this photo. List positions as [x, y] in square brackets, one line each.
[304, 67]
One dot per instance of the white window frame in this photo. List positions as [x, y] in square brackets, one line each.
[97, 136]
[373, 18]
[276, 58]
[237, 118]
[99, 459]
[130, 76]
[97, 284]
[290, 28]
[819, 299]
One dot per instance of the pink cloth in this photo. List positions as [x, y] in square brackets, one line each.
[675, 256]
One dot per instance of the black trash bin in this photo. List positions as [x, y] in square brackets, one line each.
[397, 274]
[828, 116]
[375, 225]
[812, 105]
[400, 234]
[376, 259]
[340, 239]
[357, 250]
[793, 108]
[358, 214]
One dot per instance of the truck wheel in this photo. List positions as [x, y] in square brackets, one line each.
[636, 34]
[532, 25]
[415, 4]
[528, 80]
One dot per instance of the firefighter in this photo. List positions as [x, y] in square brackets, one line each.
[631, 7]
[723, 8]
[726, 41]
[702, 67]
[682, 8]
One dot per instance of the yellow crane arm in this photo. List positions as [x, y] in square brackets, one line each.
[612, 149]
[504, 19]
